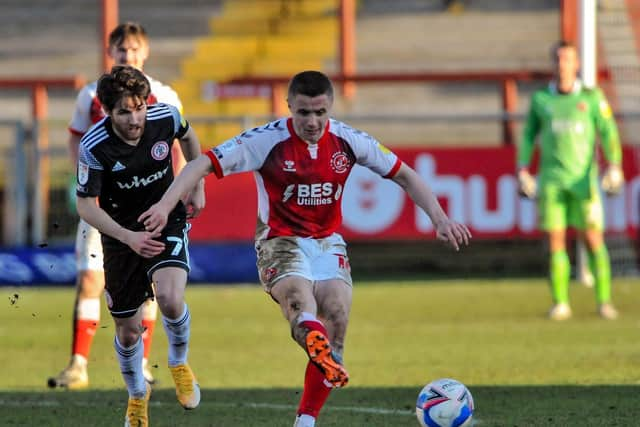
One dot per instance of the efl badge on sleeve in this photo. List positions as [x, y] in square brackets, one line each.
[384, 149]
[83, 173]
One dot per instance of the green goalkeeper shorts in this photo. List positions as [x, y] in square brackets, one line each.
[559, 208]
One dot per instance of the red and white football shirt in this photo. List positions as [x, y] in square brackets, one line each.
[300, 185]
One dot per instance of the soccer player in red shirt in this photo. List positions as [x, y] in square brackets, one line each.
[301, 164]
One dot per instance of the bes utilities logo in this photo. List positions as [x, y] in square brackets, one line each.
[316, 194]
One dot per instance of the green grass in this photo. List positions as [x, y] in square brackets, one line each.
[522, 369]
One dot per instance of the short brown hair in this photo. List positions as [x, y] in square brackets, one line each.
[122, 81]
[310, 83]
[126, 30]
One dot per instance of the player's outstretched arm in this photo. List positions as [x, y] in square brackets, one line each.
[448, 231]
[155, 218]
[194, 200]
[141, 242]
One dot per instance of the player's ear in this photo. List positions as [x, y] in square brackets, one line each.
[145, 51]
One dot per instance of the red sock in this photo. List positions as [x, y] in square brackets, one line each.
[315, 392]
[148, 326]
[83, 333]
[315, 325]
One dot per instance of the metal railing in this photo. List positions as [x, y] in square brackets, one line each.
[15, 198]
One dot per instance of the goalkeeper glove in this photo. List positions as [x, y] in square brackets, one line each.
[612, 180]
[527, 185]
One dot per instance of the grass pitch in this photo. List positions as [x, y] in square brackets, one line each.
[522, 369]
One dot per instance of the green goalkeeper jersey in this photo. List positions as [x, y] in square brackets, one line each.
[567, 125]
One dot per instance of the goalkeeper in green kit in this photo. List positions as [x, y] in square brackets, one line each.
[567, 117]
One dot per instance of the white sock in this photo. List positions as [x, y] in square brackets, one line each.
[80, 360]
[304, 420]
[306, 317]
[130, 360]
[88, 309]
[178, 332]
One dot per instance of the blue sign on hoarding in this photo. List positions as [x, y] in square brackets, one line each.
[210, 263]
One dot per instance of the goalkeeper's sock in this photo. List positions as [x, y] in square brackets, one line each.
[315, 393]
[559, 271]
[601, 269]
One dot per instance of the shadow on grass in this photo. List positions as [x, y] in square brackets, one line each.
[521, 406]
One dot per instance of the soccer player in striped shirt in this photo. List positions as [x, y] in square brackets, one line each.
[128, 45]
[125, 166]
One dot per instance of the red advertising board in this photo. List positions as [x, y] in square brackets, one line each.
[476, 186]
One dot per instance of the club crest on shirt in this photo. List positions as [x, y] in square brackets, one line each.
[83, 173]
[160, 150]
[339, 162]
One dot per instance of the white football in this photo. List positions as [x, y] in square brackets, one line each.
[444, 403]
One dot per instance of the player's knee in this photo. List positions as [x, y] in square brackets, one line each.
[171, 305]
[129, 336]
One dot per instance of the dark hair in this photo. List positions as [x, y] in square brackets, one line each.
[123, 81]
[560, 45]
[310, 83]
[126, 30]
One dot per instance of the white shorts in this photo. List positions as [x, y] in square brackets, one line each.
[88, 248]
[313, 259]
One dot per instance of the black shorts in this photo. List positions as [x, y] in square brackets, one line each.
[128, 275]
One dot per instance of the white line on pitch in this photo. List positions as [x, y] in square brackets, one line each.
[51, 403]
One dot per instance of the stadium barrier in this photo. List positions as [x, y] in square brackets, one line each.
[210, 263]
[14, 181]
[476, 186]
[38, 165]
[498, 218]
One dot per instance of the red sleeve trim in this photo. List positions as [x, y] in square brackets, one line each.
[217, 169]
[75, 132]
[394, 170]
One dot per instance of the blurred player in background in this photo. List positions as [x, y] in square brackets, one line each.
[568, 117]
[125, 166]
[128, 45]
[301, 165]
